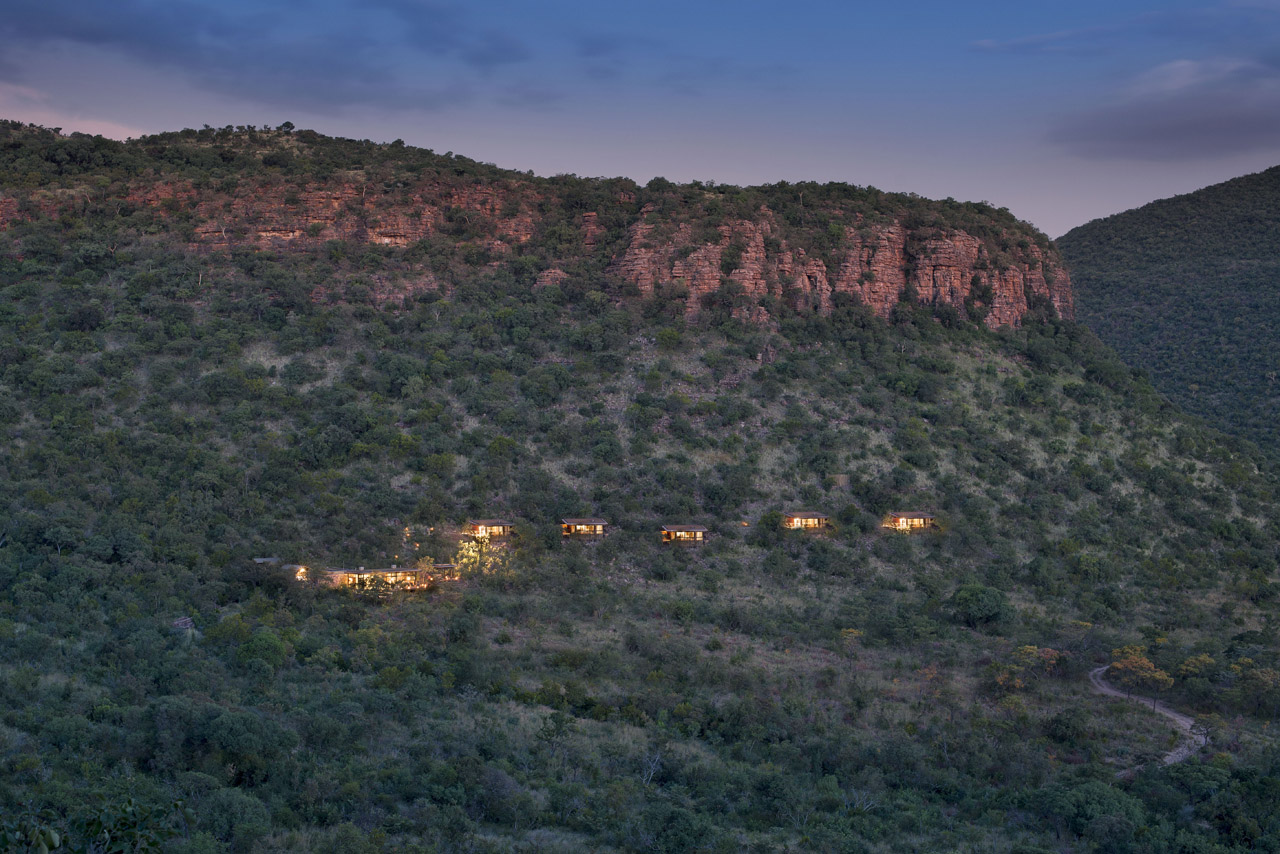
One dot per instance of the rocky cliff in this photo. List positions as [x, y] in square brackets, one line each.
[279, 216]
[878, 264]
[769, 247]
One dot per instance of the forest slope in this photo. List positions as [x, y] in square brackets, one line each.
[1188, 289]
[175, 410]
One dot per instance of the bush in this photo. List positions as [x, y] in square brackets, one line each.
[234, 817]
[978, 606]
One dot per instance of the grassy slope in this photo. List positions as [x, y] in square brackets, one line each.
[1188, 289]
[853, 691]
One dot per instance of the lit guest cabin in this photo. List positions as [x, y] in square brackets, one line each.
[910, 521]
[805, 520]
[583, 528]
[684, 534]
[399, 577]
[489, 527]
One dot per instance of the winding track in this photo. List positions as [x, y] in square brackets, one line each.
[1190, 742]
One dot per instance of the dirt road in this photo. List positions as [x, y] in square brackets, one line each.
[1190, 741]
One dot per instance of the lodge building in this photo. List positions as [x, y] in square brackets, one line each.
[489, 527]
[908, 521]
[584, 528]
[684, 534]
[397, 577]
[805, 520]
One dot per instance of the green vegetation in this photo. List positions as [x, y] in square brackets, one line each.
[173, 414]
[1188, 289]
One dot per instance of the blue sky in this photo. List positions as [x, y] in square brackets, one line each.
[1060, 111]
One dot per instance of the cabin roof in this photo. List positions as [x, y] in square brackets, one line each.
[583, 522]
[683, 528]
[912, 514]
[806, 514]
[490, 523]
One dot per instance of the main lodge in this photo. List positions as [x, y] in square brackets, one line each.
[401, 577]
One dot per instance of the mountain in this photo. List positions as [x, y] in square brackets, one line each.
[179, 403]
[1188, 289]
[764, 249]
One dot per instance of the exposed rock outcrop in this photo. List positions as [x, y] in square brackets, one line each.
[282, 215]
[878, 263]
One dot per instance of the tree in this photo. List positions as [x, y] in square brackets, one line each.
[1038, 661]
[977, 605]
[1131, 669]
[1197, 665]
[1260, 688]
[1207, 726]
[477, 557]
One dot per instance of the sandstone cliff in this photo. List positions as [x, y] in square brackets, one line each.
[878, 264]
[279, 216]
[680, 242]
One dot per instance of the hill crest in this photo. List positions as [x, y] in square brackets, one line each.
[763, 250]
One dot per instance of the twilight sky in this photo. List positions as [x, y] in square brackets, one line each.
[1060, 111]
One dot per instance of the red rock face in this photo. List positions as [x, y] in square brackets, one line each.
[279, 216]
[554, 276]
[876, 264]
[591, 229]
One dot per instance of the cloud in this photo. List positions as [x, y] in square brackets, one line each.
[1223, 26]
[1182, 110]
[493, 49]
[606, 57]
[1173, 79]
[690, 76]
[1063, 41]
[446, 29]
[528, 96]
[398, 53]
[603, 46]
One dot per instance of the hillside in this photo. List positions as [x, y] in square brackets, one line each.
[759, 252]
[177, 409]
[1188, 289]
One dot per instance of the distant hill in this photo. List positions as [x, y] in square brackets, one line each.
[1188, 289]
[217, 346]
